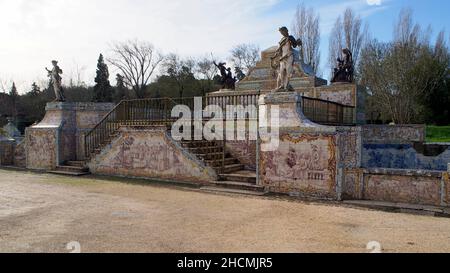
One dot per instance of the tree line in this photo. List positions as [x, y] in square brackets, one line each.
[406, 80]
[137, 63]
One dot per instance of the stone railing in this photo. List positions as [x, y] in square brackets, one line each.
[393, 134]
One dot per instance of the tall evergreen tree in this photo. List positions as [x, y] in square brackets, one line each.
[35, 90]
[120, 90]
[103, 92]
[14, 95]
[13, 92]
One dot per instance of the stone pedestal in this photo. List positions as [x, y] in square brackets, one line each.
[291, 117]
[60, 135]
[303, 158]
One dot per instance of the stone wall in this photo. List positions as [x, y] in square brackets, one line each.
[6, 151]
[403, 156]
[61, 133]
[401, 147]
[397, 186]
[20, 157]
[393, 134]
[244, 151]
[341, 93]
[149, 153]
[303, 165]
[41, 152]
[349, 145]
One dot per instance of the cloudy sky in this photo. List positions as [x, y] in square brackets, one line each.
[33, 32]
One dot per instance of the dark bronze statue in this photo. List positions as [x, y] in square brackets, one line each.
[227, 80]
[345, 68]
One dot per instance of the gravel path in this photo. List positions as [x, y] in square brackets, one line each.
[43, 213]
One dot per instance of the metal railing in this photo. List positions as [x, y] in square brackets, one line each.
[143, 112]
[157, 111]
[327, 112]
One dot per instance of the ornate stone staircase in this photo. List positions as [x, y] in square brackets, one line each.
[240, 182]
[233, 178]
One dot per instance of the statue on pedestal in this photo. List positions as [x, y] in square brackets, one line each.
[227, 80]
[344, 70]
[55, 80]
[285, 53]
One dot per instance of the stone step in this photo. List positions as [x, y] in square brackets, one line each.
[212, 156]
[231, 191]
[206, 150]
[198, 144]
[240, 177]
[218, 162]
[238, 185]
[75, 163]
[73, 173]
[229, 168]
[66, 168]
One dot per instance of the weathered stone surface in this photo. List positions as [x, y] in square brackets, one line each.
[6, 151]
[69, 123]
[352, 188]
[341, 93]
[414, 189]
[446, 189]
[20, 157]
[291, 117]
[303, 164]
[402, 156]
[41, 150]
[417, 187]
[397, 147]
[149, 153]
[393, 134]
[244, 151]
[350, 147]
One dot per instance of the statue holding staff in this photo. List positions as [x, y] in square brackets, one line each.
[285, 53]
[55, 79]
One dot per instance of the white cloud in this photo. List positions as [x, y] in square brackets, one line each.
[373, 2]
[76, 31]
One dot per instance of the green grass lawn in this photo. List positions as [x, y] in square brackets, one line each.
[438, 133]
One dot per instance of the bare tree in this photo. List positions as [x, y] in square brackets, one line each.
[77, 75]
[347, 32]
[181, 70]
[137, 62]
[401, 74]
[405, 31]
[306, 27]
[206, 69]
[245, 56]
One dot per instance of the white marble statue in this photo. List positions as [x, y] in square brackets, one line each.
[285, 52]
[55, 78]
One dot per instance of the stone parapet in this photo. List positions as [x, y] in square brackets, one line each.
[418, 187]
[393, 134]
[150, 153]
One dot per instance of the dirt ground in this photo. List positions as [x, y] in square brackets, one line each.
[43, 213]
